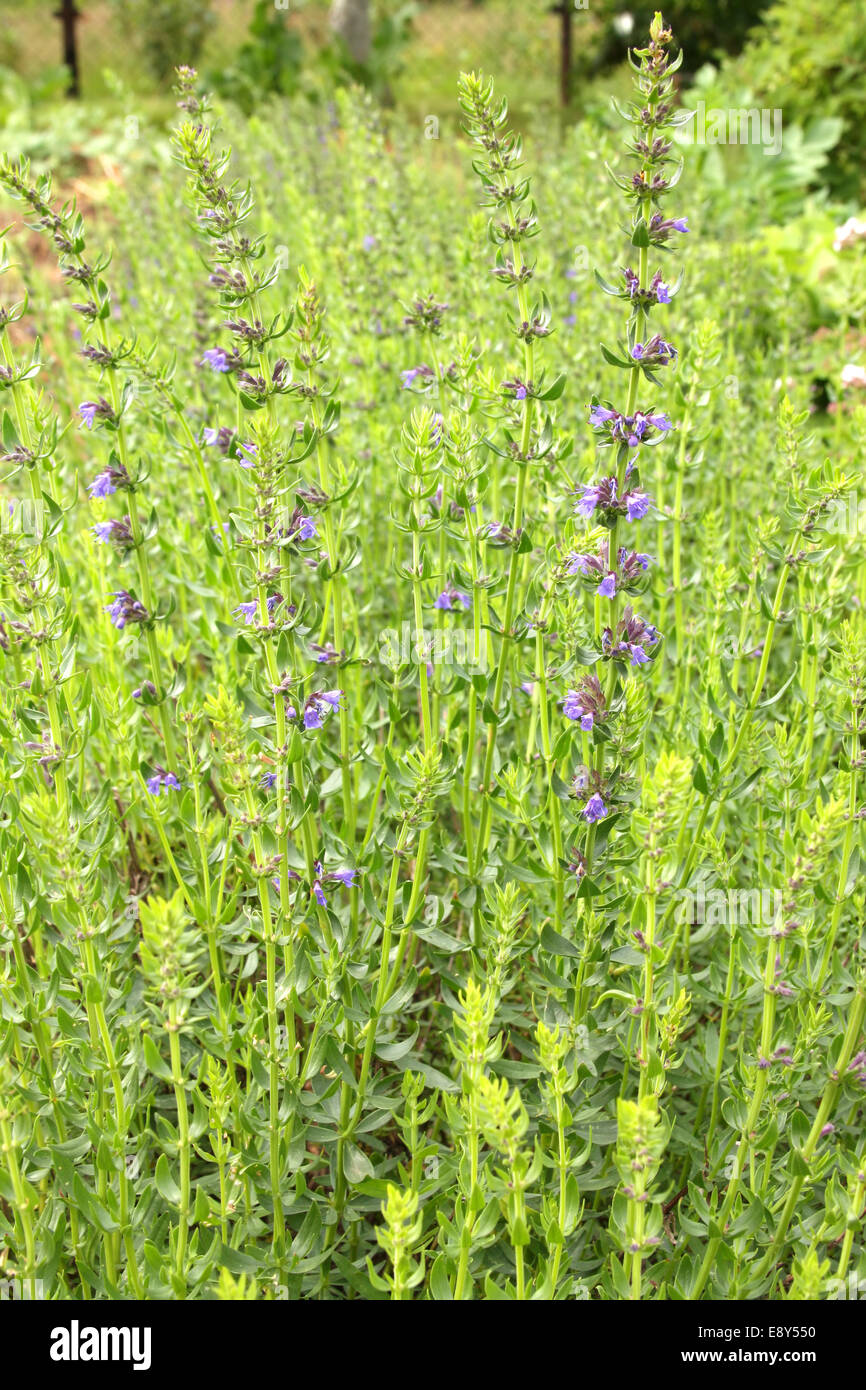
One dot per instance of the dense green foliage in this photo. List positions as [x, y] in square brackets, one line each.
[706, 29]
[166, 32]
[322, 974]
[813, 69]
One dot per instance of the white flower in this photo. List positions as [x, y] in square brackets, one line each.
[850, 232]
[852, 375]
[623, 23]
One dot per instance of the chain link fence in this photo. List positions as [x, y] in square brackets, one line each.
[416, 50]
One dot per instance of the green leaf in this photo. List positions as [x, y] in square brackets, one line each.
[556, 944]
[154, 1061]
[439, 1283]
[356, 1165]
[166, 1185]
[699, 780]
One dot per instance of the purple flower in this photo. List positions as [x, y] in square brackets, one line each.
[369, 242]
[326, 655]
[344, 876]
[268, 780]
[630, 565]
[116, 532]
[858, 1065]
[161, 781]
[217, 359]
[125, 609]
[629, 429]
[587, 504]
[290, 874]
[248, 611]
[218, 438]
[102, 485]
[587, 703]
[655, 352]
[632, 562]
[410, 374]
[631, 639]
[571, 706]
[313, 716]
[319, 706]
[661, 227]
[577, 863]
[580, 780]
[307, 528]
[250, 455]
[637, 504]
[90, 411]
[602, 496]
[108, 481]
[594, 810]
[657, 292]
[451, 598]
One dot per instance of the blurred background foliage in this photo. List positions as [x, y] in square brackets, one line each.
[788, 54]
[738, 54]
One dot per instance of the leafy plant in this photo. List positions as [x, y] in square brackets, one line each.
[431, 721]
[168, 32]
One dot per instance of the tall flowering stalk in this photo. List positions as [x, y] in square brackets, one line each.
[39, 579]
[513, 224]
[313, 349]
[615, 571]
[29, 446]
[276, 530]
[106, 414]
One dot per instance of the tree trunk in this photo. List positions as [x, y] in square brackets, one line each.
[350, 20]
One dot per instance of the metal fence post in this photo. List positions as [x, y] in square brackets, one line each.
[68, 15]
[565, 10]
